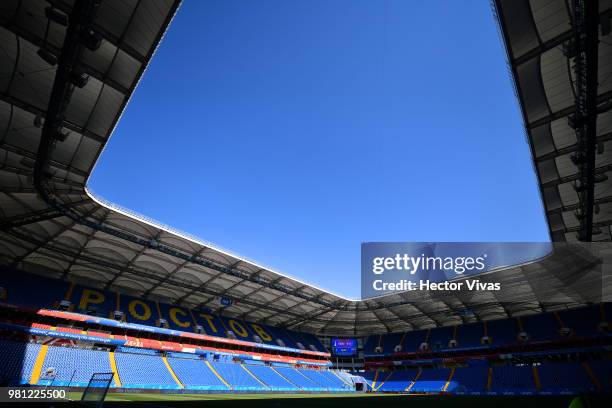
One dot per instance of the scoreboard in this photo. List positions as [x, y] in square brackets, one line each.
[344, 347]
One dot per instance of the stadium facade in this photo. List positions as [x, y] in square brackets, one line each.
[89, 287]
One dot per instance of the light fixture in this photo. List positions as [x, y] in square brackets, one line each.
[79, 79]
[56, 16]
[91, 39]
[38, 121]
[48, 56]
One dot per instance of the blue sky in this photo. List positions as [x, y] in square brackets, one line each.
[291, 131]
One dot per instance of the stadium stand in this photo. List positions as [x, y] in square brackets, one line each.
[510, 378]
[477, 379]
[101, 303]
[501, 332]
[163, 364]
[237, 376]
[431, 380]
[601, 373]
[17, 361]
[144, 371]
[564, 378]
[398, 381]
[472, 379]
[272, 379]
[195, 374]
[295, 377]
[26, 363]
[74, 366]
[546, 327]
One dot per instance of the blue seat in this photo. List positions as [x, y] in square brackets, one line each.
[143, 371]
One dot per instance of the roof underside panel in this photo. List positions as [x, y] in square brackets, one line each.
[538, 35]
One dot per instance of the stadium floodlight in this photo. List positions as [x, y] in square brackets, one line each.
[570, 48]
[600, 177]
[578, 158]
[27, 162]
[56, 16]
[91, 39]
[38, 121]
[523, 337]
[579, 186]
[48, 56]
[79, 79]
[579, 214]
[65, 304]
[61, 136]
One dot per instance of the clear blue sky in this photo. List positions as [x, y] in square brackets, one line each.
[291, 131]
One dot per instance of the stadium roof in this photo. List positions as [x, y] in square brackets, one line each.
[558, 59]
[61, 95]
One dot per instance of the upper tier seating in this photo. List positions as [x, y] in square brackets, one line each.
[47, 293]
[581, 322]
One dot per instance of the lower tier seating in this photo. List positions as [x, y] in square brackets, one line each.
[35, 364]
[272, 378]
[549, 378]
[195, 374]
[73, 366]
[239, 378]
[17, 361]
[143, 371]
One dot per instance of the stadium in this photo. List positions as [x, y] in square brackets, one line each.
[110, 305]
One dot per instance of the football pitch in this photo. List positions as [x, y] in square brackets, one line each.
[344, 400]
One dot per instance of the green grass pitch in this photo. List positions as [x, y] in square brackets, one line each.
[354, 400]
